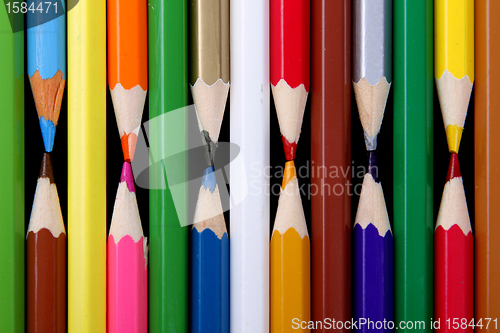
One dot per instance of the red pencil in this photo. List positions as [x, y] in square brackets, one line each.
[290, 62]
[453, 253]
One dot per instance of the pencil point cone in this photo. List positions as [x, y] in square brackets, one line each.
[129, 142]
[290, 148]
[48, 133]
[453, 135]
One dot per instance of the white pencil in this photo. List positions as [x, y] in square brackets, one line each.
[250, 234]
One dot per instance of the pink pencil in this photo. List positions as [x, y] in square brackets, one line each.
[127, 263]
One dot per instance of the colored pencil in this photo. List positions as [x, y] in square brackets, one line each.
[372, 64]
[46, 257]
[454, 64]
[127, 265]
[487, 159]
[330, 147]
[290, 66]
[413, 161]
[373, 241]
[87, 167]
[373, 254]
[453, 255]
[128, 67]
[168, 91]
[209, 81]
[209, 78]
[46, 46]
[209, 261]
[249, 129]
[12, 170]
[290, 258]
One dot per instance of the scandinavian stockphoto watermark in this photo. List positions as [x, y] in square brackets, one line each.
[169, 156]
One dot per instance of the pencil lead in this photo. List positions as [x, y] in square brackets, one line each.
[453, 136]
[48, 129]
[46, 168]
[210, 148]
[129, 142]
[127, 176]
[209, 180]
[290, 148]
[289, 173]
[373, 166]
[453, 168]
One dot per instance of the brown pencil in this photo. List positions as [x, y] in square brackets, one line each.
[487, 161]
[330, 146]
[46, 258]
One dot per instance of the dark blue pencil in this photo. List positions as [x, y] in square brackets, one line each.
[373, 257]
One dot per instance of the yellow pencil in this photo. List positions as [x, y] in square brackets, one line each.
[454, 63]
[87, 167]
[290, 259]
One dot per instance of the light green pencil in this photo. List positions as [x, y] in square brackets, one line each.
[12, 232]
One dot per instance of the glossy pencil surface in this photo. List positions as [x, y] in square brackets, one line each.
[168, 91]
[487, 160]
[87, 167]
[413, 160]
[249, 126]
[12, 229]
[330, 146]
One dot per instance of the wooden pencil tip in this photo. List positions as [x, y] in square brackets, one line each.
[127, 176]
[129, 142]
[289, 173]
[46, 168]
[290, 148]
[453, 136]
[453, 168]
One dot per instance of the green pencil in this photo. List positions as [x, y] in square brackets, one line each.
[12, 232]
[168, 91]
[413, 177]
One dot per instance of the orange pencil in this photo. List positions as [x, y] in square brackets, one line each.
[128, 67]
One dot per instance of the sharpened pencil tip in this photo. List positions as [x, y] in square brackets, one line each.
[289, 173]
[290, 148]
[129, 142]
[209, 181]
[48, 133]
[453, 168]
[127, 176]
[46, 170]
[453, 136]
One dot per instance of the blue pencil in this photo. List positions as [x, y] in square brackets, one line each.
[209, 261]
[46, 48]
[373, 257]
